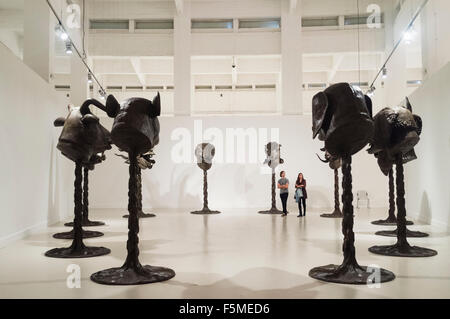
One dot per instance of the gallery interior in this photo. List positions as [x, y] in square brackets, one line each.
[153, 149]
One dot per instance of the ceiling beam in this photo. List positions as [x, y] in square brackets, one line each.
[179, 6]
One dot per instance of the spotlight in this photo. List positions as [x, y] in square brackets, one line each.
[89, 79]
[371, 91]
[102, 94]
[69, 47]
[384, 73]
[59, 30]
[409, 35]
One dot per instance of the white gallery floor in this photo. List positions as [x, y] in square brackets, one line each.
[237, 254]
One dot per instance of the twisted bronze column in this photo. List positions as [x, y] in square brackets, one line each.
[132, 272]
[402, 247]
[205, 210]
[77, 249]
[273, 209]
[349, 272]
[337, 210]
[141, 214]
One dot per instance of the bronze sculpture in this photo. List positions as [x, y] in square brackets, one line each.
[334, 163]
[135, 131]
[144, 161]
[273, 159]
[397, 131]
[342, 118]
[391, 220]
[204, 153]
[81, 140]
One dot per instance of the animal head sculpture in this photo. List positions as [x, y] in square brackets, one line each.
[136, 126]
[83, 139]
[273, 153]
[342, 118]
[204, 153]
[397, 131]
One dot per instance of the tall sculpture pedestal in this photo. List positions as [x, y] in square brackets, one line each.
[349, 272]
[337, 213]
[409, 233]
[273, 210]
[205, 210]
[71, 234]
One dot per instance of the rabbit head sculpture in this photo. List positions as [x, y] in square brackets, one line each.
[273, 154]
[204, 153]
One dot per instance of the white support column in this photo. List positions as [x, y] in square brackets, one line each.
[78, 81]
[182, 59]
[38, 43]
[291, 58]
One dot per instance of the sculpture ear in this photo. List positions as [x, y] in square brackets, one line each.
[369, 105]
[89, 118]
[410, 156]
[155, 106]
[112, 106]
[418, 121]
[408, 105]
[59, 122]
[319, 110]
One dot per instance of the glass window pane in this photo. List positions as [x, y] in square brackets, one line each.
[109, 24]
[212, 24]
[153, 24]
[260, 23]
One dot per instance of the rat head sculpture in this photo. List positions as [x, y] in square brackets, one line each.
[204, 153]
[136, 126]
[342, 118]
[83, 139]
[273, 154]
[397, 131]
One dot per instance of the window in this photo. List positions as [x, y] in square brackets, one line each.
[109, 24]
[272, 23]
[355, 20]
[155, 87]
[212, 24]
[153, 24]
[320, 22]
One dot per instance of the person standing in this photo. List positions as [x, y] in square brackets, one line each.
[300, 194]
[283, 185]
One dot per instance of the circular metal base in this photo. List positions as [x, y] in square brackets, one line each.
[349, 275]
[404, 251]
[131, 276]
[141, 215]
[335, 214]
[85, 252]
[87, 223]
[390, 222]
[272, 211]
[409, 233]
[205, 212]
[70, 234]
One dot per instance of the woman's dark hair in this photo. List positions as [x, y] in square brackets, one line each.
[281, 173]
[298, 178]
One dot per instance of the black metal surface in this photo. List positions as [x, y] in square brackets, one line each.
[337, 213]
[353, 275]
[71, 234]
[205, 210]
[273, 210]
[409, 233]
[132, 276]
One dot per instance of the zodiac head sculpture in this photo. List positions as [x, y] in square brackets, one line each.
[397, 131]
[333, 161]
[273, 153]
[136, 126]
[342, 118]
[204, 153]
[83, 139]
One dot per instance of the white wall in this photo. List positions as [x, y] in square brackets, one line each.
[36, 186]
[232, 185]
[427, 178]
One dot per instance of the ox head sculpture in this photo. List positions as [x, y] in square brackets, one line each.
[273, 155]
[204, 153]
[83, 139]
[342, 118]
[333, 161]
[136, 126]
[397, 131]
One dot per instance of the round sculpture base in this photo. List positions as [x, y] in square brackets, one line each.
[349, 275]
[336, 214]
[87, 223]
[71, 235]
[205, 212]
[271, 211]
[403, 251]
[390, 222]
[84, 252]
[141, 215]
[130, 276]
[409, 233]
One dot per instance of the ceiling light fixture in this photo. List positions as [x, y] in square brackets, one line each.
[68, 47]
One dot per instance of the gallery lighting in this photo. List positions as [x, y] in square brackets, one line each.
[409, 35]
[89, 78]
[102, 94]
[384, 73]
[68, 47]
[371, 91]
[59, 30]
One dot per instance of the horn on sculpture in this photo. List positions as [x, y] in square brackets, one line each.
[112, 106]
[408, 105]
[84, 109]
[324, 161]
[155, 106]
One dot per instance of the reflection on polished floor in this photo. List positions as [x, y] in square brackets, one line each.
[237, 254]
